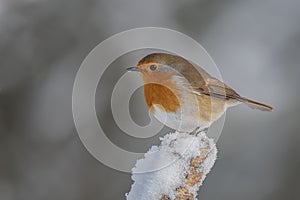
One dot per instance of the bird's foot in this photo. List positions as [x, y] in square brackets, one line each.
[197, 130]
[205, 130]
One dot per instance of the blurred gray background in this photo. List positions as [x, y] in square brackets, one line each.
[255, 44]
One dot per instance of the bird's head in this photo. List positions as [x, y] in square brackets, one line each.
[158, 67]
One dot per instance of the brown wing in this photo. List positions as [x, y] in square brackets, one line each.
[203, 83]
[216, 88]
[213, 87]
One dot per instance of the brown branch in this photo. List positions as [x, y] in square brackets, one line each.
[180, 180]
[193, 177]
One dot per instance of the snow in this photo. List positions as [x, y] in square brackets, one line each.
[165, 167]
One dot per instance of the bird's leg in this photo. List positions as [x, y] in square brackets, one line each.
[195, 131]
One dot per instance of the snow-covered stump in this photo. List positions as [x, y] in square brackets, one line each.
[174, 170]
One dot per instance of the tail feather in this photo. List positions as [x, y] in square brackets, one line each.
[256, 105]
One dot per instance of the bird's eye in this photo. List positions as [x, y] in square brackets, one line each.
[153, 67]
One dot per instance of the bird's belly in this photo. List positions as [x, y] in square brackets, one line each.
[181, 120]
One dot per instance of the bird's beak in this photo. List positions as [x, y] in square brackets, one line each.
[133, 69]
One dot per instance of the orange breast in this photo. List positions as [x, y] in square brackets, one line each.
[161, 95]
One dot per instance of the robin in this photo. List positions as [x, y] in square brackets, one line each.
[184, 96]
